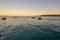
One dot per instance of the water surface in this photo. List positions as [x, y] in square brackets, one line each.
[26, 28]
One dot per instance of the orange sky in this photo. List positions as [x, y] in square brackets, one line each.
[29, 7]
[26, 13]
[17, 14]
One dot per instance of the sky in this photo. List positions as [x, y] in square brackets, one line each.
[29, 7]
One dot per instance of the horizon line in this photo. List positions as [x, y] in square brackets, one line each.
[32, 15]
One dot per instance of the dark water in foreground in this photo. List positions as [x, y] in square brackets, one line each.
[25, 28]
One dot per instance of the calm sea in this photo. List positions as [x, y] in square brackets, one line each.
[26, 28]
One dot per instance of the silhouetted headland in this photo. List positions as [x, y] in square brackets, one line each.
[50, 15]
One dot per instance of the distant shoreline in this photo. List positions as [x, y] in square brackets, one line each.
[50, 15]
[29, 16]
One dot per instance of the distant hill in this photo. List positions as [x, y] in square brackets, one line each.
[50, 15]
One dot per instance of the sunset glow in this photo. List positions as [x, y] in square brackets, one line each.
[29, 7]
